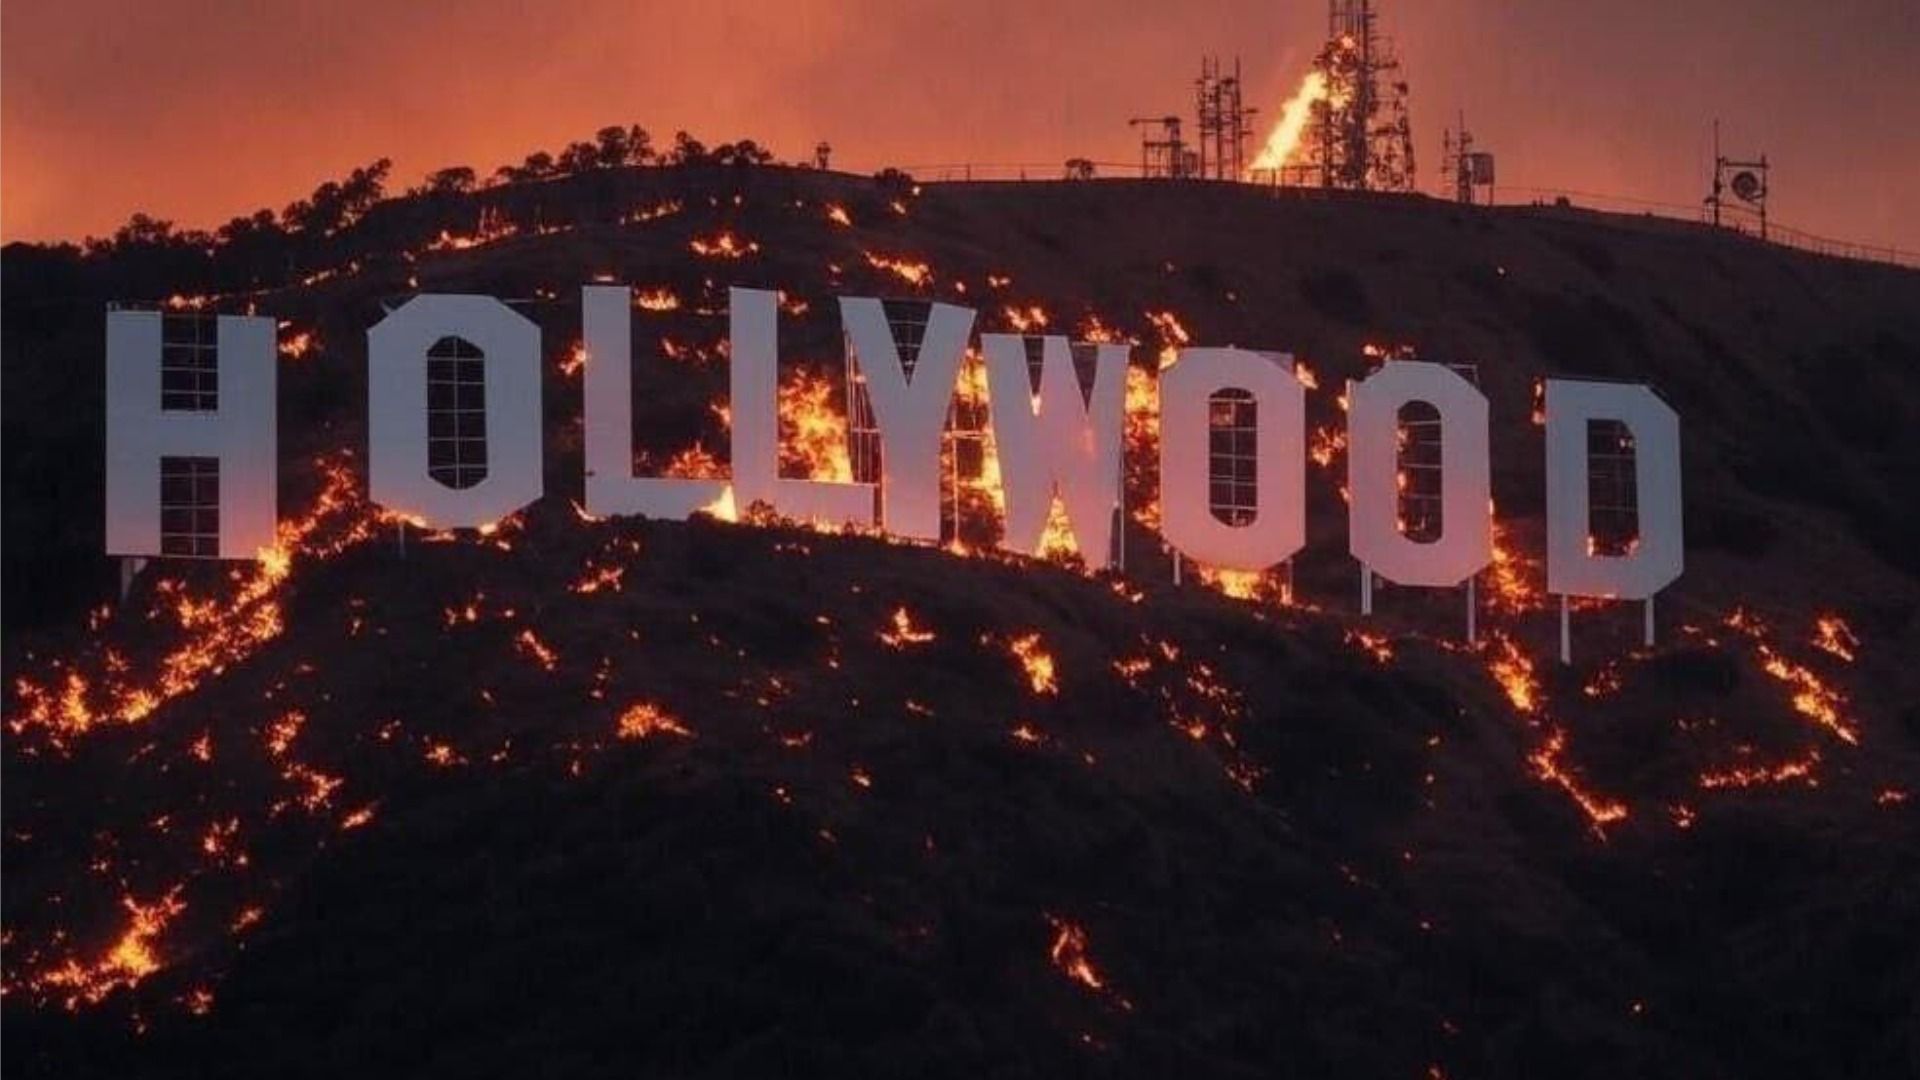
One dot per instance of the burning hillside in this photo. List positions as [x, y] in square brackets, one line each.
[739, 795]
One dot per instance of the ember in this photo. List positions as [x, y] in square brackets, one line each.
[1069, 953]
[129, 960]
[1833, 635]
[643, 720]
[902, 632]
[913, 273]
[1037, 661]
[723, 245]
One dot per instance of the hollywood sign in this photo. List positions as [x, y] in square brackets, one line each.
[191, 467]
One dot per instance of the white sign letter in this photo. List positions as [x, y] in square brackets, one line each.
[190, 435]
[1572, 570]
[909, 405]
[453, 411]
[607, 330]
[1056, 439]
[755, 406]
[1187, 392]
[1465, 544]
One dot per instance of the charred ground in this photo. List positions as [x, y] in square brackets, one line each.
[719, 799]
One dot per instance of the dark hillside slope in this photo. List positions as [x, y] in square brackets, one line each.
[710, 799]
[848, 843]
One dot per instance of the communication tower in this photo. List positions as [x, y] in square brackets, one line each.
[1359, 137]
[1220, 150]
[1747, 180]
[1467, 170]
[1167, 156]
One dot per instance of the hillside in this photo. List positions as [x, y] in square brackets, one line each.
[719, 799]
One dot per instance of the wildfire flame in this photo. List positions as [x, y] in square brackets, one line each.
[722, 245]
[1284, 139]
[1037, 662]
[643, 720]
[1833, 635]
[1069, 953]
[1745, 776]
[1547, 765]
[907, 270]
[656, 300]
[217, 634]
[536, 650]
[1513, 670]
[813, 433]
[131, 958]
[1813, 698]
[901, 631]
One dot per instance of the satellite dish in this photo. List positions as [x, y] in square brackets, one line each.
[1748, 186]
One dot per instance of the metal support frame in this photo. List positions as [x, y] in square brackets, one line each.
[1221, 119]
[1752, 197]
[1566, 632]
[130, 567]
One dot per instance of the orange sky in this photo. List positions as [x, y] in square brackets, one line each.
[198, 111]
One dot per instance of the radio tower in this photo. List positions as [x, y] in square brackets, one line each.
[1224, 126]
[1167, 157]
[1360, 137]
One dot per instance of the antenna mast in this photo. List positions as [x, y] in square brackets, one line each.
[1360, 135]
[1224, 122]
[1166, 157]
[1749, 181]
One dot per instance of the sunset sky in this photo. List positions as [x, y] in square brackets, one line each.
[199, 111]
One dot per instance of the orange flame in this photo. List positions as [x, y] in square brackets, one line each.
[643, 720]
[901, 631]
[130, 959]
[813, 434]
[1037, 662]
[1069, 953]
[913, 273]
[1284, 139]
